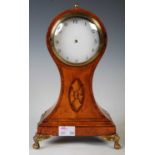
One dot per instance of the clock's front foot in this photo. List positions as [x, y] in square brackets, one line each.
[36, 142]
[115, 138]
[36, 145]
[116, 142]
[38, 138]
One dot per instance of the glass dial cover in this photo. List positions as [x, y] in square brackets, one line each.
[76, 40]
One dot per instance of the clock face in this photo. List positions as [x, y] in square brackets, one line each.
[76, 40]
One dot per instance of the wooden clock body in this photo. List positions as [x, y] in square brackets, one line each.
[76, 105]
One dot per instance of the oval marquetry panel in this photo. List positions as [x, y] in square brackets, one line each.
[76, 95]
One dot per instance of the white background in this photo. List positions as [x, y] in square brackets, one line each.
[140, 77]
[108, 80]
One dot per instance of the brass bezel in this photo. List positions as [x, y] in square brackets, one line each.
[80, 15]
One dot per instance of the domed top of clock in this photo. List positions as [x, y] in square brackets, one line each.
[76, 37]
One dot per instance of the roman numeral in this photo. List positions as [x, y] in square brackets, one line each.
[57, 42]
[96, 41]
[59, 50]
[76, 60]
[75, 21]
[93, 31]
[65, 24]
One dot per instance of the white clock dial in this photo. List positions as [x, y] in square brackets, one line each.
[76, 40]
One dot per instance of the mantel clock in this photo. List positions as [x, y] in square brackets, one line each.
[76, 40]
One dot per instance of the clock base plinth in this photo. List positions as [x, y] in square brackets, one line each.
[84, 127]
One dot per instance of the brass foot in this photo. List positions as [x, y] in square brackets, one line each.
[38, 138]
[115, 138]
[116, 142]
